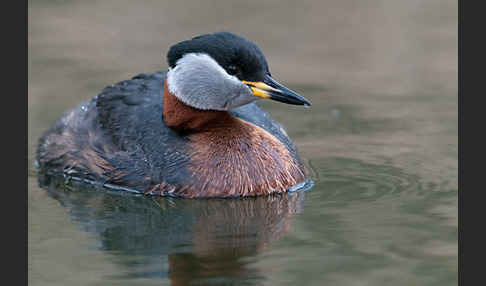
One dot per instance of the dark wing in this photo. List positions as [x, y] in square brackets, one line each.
[130, 113]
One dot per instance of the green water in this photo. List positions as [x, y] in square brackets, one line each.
[380, 141]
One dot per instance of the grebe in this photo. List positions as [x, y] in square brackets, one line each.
[193, 131]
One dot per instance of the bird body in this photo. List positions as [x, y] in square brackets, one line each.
[169, 133]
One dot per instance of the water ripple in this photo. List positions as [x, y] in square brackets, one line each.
[346, 179]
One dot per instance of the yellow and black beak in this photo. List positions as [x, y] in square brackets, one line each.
[270, 88]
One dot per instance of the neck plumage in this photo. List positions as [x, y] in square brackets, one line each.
[228, 156]
[182, 117]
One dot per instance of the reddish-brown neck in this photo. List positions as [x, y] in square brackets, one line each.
[228, 156]
[183, 117]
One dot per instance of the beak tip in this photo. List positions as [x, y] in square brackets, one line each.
[305, 102]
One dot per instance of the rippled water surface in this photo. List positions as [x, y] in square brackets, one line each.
[380, 141]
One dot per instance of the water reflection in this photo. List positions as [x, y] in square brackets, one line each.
[183, 240]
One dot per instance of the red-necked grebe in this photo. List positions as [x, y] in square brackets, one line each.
[193, 131]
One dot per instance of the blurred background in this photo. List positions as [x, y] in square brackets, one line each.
[380, 139]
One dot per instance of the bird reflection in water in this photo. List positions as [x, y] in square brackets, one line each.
[201, 241]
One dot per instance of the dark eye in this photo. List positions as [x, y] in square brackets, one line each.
[233, 70]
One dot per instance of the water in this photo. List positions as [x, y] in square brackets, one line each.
[380, 141]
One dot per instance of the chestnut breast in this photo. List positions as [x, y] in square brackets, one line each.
[228, 156]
